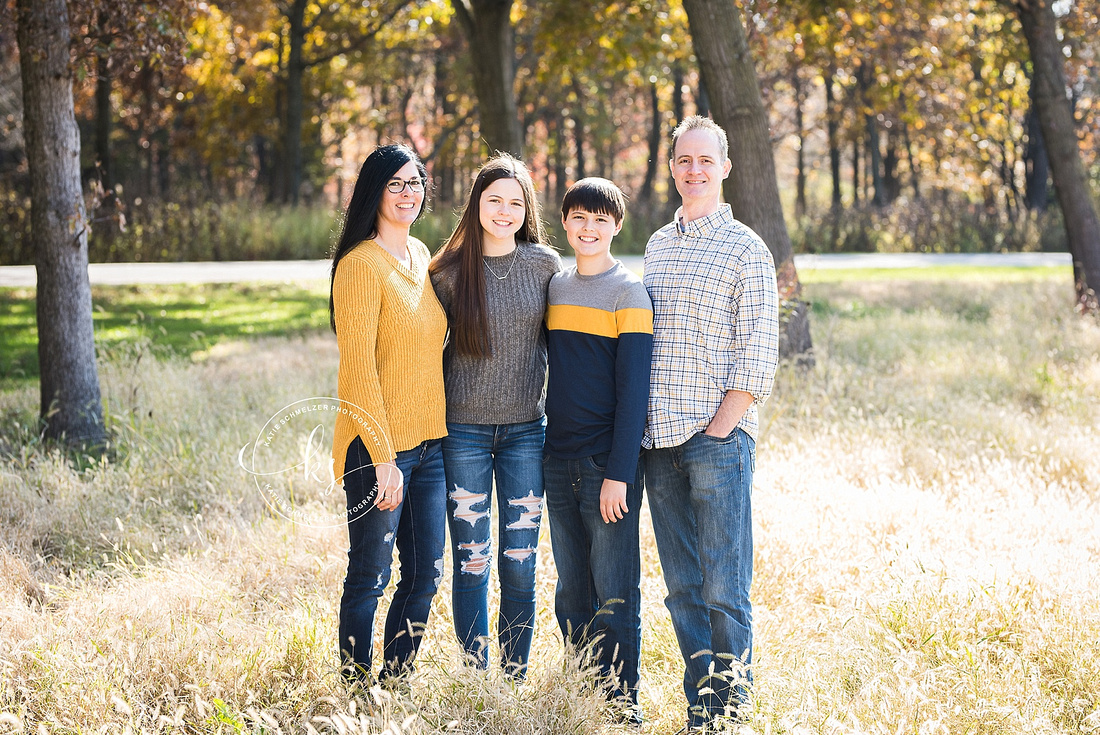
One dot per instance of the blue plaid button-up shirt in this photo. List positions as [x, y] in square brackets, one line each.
[715, 324]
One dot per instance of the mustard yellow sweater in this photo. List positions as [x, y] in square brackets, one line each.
[390, 330]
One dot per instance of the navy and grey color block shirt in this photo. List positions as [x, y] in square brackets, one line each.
[600, 346]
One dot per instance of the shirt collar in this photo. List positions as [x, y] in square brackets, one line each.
[703, 225]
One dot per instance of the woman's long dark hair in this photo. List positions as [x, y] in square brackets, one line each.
[463, 251]
[361, 216]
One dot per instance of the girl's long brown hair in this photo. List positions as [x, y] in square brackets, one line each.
[463, 251]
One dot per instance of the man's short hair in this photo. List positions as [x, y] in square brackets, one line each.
[698, 122]
[594, 194]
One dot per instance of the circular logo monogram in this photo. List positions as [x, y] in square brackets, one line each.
[290, 460]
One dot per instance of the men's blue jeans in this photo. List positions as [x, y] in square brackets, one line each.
[474, 455]
[700, 499]
[417, 528]
[598, 601]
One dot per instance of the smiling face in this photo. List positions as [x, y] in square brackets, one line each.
[699, 168]
[502, 212]
[400, 210]
[590, 233]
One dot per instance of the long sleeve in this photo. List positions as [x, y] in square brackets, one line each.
[633, 358]
[756, 328]
[390, 330]
[357, 304]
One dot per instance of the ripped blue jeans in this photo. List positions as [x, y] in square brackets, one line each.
[417, 529]
[473, 456]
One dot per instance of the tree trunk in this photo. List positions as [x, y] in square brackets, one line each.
[1067, 170]
[444, 168]
[70, 399]
[103, 207]
[702, 99]
[561, 165]
[673, 201]
[856, 157]
[295, 71]
[488, 28]
[891, 185]
[800, 124]
[146, 127]
[654, 140]
[578, 130]
[103, 113]
[278, 181]
[1036, 163]
[831, 118]
[727, 71]
[914, 166]
[1008, 176]
[874, 165]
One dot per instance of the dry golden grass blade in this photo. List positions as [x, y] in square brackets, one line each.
[927, 547]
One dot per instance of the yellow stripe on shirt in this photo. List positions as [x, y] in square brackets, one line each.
[598, 322]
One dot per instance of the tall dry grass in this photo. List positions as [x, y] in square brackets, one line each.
[927, 547]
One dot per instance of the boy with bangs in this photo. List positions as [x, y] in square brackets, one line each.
[600, 323]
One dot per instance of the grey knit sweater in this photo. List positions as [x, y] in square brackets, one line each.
[508, 386]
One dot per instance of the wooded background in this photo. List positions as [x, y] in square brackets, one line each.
[897, 124]
[943, 127]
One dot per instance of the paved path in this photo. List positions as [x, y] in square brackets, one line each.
[297, 271]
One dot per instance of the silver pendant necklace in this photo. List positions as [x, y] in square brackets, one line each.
[507, 272]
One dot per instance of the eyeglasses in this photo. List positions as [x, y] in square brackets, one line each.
[396, 186]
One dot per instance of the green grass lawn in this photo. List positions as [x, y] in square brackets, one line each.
[189, 319]
[175, 320]
[1005, 274]
[183, 320]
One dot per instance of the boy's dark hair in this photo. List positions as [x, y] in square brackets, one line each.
[595, 195]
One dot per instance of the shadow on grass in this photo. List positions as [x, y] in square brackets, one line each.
[176, 320]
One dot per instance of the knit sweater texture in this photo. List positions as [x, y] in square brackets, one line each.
[508, 385]
[390, 331]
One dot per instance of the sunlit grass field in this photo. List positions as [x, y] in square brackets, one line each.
[927, 526]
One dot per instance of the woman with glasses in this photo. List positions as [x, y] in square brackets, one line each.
[387, 451]
[491, 277]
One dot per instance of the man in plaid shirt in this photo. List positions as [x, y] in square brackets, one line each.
[715, 352]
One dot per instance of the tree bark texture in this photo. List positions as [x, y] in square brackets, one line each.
[832, 126]
[70, 398]
[1037, 166]
[1060, 137]
[654, 142]
[728, 74]
[295, 71]
[874, 165]
[914, 165]
[857, 155]
[103, 113]
[487, 25]
[800, 125]
[103, 207]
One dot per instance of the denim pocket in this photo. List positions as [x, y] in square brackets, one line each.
[719, 439]
[598, 462]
